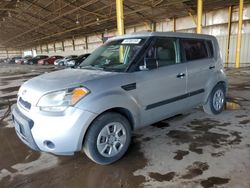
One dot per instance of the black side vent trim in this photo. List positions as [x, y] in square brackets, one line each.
[26, 104]
[174, 99]
[129, 87]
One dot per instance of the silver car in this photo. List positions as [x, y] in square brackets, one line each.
[129, 82]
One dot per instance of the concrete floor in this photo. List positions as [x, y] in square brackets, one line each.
[189, 150]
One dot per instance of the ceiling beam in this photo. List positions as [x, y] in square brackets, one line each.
[52, 20]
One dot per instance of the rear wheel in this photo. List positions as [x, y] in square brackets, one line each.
[108, 138]
[216, 100]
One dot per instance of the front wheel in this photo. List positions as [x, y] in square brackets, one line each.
[216, 100]
[108, 138]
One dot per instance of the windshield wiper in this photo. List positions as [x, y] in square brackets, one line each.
[90, 67]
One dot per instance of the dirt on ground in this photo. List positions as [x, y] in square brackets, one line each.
[189, 150]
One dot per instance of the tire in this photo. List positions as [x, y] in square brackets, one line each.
[216, 100]
[110, 130]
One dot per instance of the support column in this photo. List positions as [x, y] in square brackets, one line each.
[174, 24]
[199, 15]
[228, 34]
[153, 26]
[86, 43]
[41, 49]
[119, 17]
[237, 59]
[73, 43]
[63, 47]
[7, 52]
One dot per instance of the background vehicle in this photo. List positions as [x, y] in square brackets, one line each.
[60, 62]
[35, 60]
[50, 60]
[74, 62]
[25, 59]
[13, 60]
[4, 60]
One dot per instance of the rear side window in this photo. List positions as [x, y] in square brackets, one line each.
[210, 48]
[194, 49]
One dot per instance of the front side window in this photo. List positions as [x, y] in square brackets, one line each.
[194, 49]
[164, 51]
[115, 55]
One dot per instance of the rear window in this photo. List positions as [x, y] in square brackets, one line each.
[194, 49]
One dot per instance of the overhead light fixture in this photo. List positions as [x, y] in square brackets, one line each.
[77, 19]
[17, 3]
[97, 21]
[9, 14]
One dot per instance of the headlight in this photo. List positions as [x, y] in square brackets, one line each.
[60, 100]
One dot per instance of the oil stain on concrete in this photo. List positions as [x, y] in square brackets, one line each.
[12, 151]
[162, 177]
[200, 135]
[79, 171]
[196, 169]
[213, 181]
[180, 154]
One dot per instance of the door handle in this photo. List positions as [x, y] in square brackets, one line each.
[180, 75]
[211, 67]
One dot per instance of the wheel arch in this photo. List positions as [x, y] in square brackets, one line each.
[211, 89]
[123, 111]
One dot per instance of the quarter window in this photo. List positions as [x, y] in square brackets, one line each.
[194, 49]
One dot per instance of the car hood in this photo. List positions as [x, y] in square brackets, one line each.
[33, 89]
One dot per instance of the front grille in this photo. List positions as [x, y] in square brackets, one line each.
[25, 104]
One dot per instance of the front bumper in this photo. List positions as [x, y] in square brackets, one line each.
[23, 126]
[61, 134]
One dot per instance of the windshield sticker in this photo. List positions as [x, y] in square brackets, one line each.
[131, 41]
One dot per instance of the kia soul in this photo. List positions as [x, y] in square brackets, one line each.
[129, 82]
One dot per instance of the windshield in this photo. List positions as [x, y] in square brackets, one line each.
[114, 56]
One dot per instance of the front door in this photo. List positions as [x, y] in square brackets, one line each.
[162, 91]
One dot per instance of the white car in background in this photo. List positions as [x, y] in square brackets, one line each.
[61, 62]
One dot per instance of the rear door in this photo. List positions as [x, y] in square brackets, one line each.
[162, 91]
[200, 62]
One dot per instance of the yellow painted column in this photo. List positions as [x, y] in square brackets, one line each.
[228, 34]
[120, 25]
[199, 15]
[237, 59]
[119, 17]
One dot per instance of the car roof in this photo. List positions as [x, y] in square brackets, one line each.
[164, 34]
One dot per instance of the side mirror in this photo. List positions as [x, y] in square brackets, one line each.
[149, 63]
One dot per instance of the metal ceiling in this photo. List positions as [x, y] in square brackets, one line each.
[25, 23]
